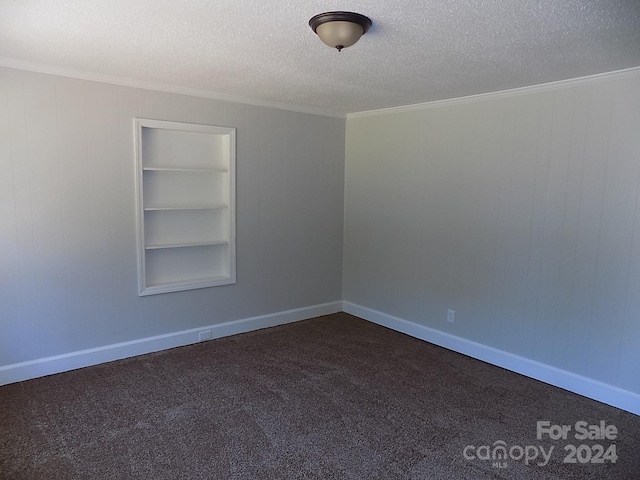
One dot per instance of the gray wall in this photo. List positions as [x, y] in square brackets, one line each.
[520, 212]
[67, 215]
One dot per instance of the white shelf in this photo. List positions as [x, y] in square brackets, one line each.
[167, 287]
[186, 206]
[193, 281]
[183, 245]
[185, 170]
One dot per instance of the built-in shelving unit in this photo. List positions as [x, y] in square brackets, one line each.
[186, 205]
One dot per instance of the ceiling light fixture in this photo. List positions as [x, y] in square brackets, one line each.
[340, 29]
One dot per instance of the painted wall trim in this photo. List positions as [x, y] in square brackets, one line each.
[70, 361]
[584, 386]
[544, 87]
[127, 82]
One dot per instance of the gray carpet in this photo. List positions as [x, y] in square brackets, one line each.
[330, 397]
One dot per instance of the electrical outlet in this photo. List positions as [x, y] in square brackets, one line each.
[204, 336]
[451, 316]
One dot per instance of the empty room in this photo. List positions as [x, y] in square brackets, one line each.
[313, 240]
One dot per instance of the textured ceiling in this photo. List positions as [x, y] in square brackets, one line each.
[417, 50]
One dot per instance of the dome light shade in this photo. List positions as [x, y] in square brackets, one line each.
[340, 29]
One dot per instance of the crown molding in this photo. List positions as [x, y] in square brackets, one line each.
[141, 84]
[529, 90]
[127, 82]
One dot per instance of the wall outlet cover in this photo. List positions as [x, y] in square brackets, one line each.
[204, 335]
[451, 316]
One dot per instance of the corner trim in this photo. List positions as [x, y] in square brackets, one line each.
[41, 367]
[514, 92]
[584, 386]
[160, 87]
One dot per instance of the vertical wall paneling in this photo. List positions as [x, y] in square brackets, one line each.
[527, 224]
[11, 159]
[618, 262]
[47, 208]
[248, 239]
[21, 325]
[131, 320]
[550, 224]
[100, 114]
[74, 172]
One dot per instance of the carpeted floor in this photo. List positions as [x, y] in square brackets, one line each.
[330, 397]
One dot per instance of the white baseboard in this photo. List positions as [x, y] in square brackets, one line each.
[70, 361]
[587, 387]
[584, 386]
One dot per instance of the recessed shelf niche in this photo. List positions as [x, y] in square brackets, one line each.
[185, 205]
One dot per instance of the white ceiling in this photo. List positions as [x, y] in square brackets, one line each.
[263, 50]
